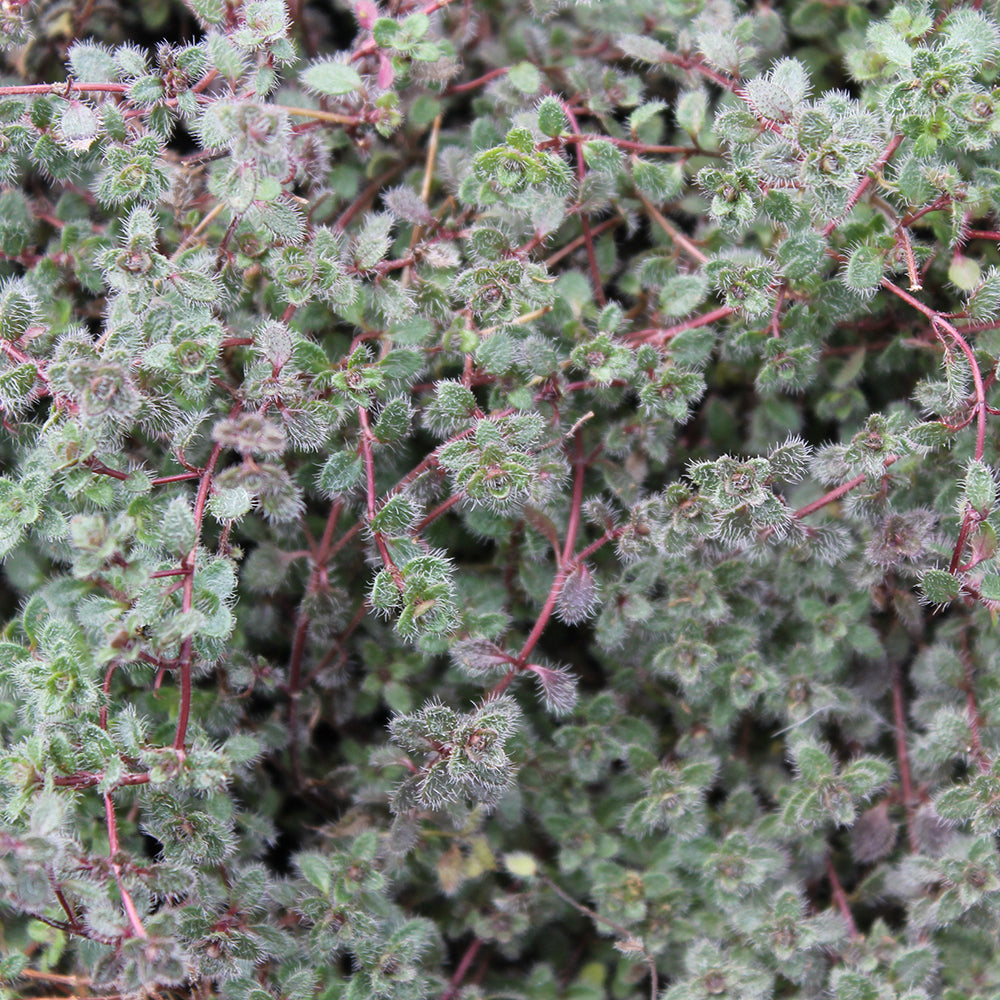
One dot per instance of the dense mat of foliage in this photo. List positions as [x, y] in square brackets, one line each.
[498, 500]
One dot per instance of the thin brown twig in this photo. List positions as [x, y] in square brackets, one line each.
[367, 195]
[672, 231]
[62, 89]
[623, 932]
[425, 194]
[575, 244]
[55, 977]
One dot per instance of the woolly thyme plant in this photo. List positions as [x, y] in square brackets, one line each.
[499, 500]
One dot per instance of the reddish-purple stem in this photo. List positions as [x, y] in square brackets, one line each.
[866, 181]
[902, 755]
[480, 81]
[113, 848]
[180, 477]
[87, 779]
[655, 335]
[440, 509]
[64, 903]
[320, 558]
[366, 451]
[565, 560]
[840, 898]
[455, 984]
[581, 169]
[836, 494]
[975, 736]
[939, 324]
[187, 595]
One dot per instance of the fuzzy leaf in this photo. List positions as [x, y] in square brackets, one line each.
[331, 77]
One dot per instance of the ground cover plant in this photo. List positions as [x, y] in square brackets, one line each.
[498, 500]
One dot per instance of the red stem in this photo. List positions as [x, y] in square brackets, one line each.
[694, 63]
[440, 509]
[187, 594]
[935, 206]
[320, 559]
[837, 493]
[566, 561]
[366, 450]
[113, 848]
[658, 336]
[638, 147]
[581, 169]
[939, 324]
[64, 903]
[975, 736]
[863, 186]
[180, 477]
[101, 469]
[586, 552]
[840, 898]
[902, 755]
[570, 247]
[461, 88]
[454, 986]
[937, 320]
[87, 779]
[366, 195]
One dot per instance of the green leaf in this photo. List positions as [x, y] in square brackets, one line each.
[230, 504]
[340, 474]
[940, 586]
[525, 77]
[964, 273]
[178, 529]
[331, 77]
[18, 308]
[552, 120]
[315, 869]
[385, 31]
[865, 267]
[520, 864]
[980, 487]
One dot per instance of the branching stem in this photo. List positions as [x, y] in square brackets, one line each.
[581, 169]
[876, 168]
[624, 934]
[187, 593]
[366, 450]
